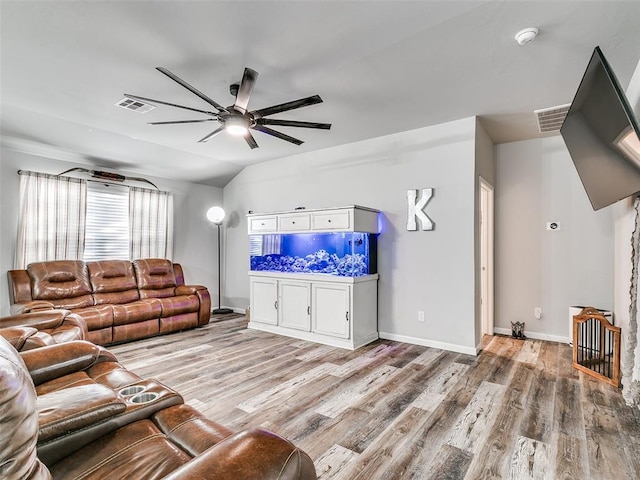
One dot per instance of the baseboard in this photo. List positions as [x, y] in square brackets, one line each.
[242, 311]
[534, 335]
[430, 343]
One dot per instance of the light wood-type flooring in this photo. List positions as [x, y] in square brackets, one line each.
[397, 411]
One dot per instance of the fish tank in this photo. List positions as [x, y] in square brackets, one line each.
[342, 254]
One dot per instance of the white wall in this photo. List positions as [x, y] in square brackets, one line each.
[624, 217]
[485, 169]
[536, 183]
[431, 271]
[194, 237]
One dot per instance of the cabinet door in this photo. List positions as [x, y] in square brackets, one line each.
[331, 313]
[264, 300]
[295, 304]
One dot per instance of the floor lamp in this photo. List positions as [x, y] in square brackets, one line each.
[215, 215]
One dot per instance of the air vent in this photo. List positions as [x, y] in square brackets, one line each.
[551, 119]
[135, 105]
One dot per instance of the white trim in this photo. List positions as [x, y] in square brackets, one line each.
[242, 311]
[430, 343]
[488, 227]
[534, 335]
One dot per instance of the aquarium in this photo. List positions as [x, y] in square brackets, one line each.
[344, 254]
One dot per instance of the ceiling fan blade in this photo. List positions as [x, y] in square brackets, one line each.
[183, 121]
[192, 89]
[250, 140]
[212, 134]
[245, 89]
[280, 135]
[293, 123]
[152, 100]
[283, 107]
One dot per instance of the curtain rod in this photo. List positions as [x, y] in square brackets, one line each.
[102, 176]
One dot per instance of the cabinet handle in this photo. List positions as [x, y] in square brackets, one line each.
[329, 220]
[275, 304]
[346, 315]
[293, 223]
[308, 309]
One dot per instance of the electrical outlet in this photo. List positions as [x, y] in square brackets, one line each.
[537, 312]
[421, 316]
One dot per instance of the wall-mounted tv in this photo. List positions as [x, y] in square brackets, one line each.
[602, 136]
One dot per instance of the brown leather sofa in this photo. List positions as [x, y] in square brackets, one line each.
[119, 300]
[38, 329]
[81, 420]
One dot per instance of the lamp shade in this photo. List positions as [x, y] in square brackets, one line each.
[215, 215]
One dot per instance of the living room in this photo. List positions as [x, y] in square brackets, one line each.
[435, 272]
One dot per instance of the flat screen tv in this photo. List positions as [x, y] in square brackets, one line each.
[602, 136]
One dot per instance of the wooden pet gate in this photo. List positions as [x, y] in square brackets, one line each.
[596, 346]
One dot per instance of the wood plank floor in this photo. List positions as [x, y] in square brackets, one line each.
[397, 411]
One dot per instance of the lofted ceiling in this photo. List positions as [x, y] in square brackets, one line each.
[381, 67]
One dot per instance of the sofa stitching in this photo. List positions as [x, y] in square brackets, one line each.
[286, 462]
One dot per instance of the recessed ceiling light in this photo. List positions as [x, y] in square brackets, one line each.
[526, 35]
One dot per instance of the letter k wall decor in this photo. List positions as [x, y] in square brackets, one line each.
[415, 209]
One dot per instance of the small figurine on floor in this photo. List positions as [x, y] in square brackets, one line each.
[517, 330]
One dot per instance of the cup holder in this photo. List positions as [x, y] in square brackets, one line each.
[145, 397]
[132, 390]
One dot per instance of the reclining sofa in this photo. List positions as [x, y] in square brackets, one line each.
[71, 411]
[119, 300]
[38, 329]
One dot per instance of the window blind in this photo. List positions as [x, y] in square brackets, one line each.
[107, 223]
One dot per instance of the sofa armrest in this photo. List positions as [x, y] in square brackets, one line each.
[75, 408]
[40, 320]
[189, 289]
[254, 454]
[32, 306]
[204, 313]
[54, 361]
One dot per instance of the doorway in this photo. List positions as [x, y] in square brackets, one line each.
[486, 256]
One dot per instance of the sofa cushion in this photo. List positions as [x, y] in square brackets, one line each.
[138, 450]
[179, 304]
[113, 281]
[65, 283]
[138, 311]
[100, 316]
[155, 276]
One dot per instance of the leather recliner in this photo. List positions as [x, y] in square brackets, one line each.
[80, 385]
[38, 329]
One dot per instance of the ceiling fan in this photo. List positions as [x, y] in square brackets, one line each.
[236, 119]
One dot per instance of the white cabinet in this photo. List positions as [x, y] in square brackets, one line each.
[295, 304]
[337, 311]
[331, 309]
[299, 282]
[341, 219]
[264, 300]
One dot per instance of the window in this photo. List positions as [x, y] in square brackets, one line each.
[107, 223]
[65, 218]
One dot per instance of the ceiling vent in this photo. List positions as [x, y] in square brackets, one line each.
[135, 105]
[551, 119]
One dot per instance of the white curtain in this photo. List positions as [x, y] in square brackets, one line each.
[150, 223]
[52, 218]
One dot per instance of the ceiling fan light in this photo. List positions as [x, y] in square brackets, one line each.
[236, 125]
